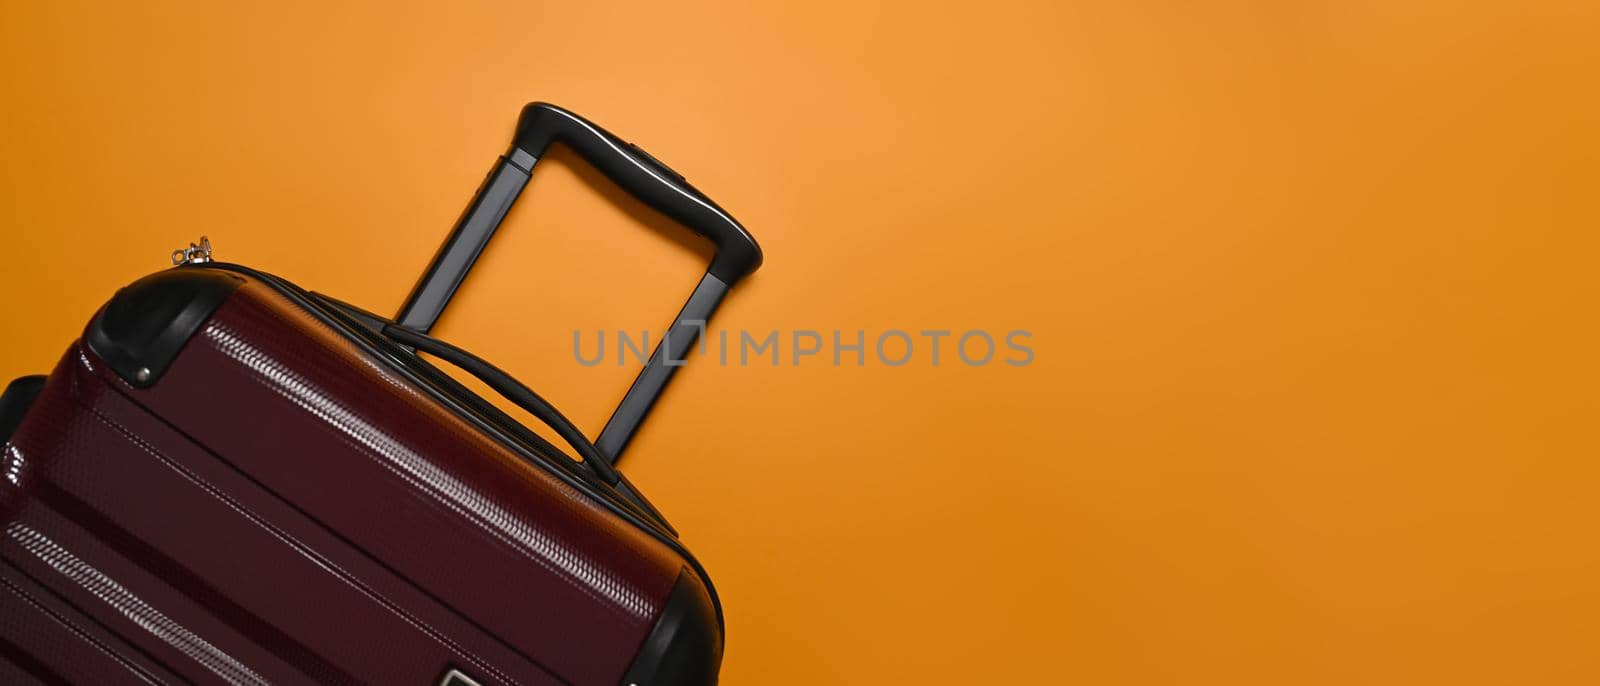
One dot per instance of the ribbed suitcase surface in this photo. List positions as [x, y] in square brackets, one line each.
[211, 522]
[228, 479]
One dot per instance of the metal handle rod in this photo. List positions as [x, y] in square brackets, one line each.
[668, 357]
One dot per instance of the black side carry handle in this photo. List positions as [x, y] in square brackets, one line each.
[512, 389]
[642, 176]
[525, 398]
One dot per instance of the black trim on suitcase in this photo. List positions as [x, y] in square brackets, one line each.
[685, 645]
[144, 326]
[14, 403]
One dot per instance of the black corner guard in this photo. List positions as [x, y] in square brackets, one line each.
[144, 326]
[685, 647]
[16, 400]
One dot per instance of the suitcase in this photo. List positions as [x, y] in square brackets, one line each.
[230, 479]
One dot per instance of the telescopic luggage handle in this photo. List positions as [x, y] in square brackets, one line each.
[645, 177]
[642, 176]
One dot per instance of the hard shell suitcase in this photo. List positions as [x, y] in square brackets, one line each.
[229, 479]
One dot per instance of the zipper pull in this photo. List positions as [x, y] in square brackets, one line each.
[194, 254]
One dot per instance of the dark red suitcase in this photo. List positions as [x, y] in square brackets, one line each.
[229, 479]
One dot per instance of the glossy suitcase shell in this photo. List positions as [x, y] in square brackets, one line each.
[231, 480]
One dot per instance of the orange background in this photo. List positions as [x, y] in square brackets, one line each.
[1311, 286]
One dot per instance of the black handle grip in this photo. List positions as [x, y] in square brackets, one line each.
[636, 172]
[644, 177]
[513, 390]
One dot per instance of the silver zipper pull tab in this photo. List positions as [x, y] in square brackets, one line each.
[194, 254]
